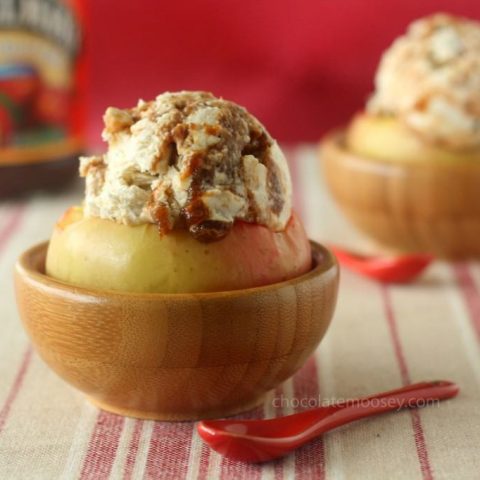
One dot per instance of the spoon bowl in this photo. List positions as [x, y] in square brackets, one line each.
[386, 269]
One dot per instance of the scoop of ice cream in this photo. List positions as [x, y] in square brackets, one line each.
[430, 79]
[188, 160]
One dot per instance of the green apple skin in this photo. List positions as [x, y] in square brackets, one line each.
[388, 139]
[102, 254]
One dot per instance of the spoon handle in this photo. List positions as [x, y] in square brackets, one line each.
[410, 396]
[262, 440]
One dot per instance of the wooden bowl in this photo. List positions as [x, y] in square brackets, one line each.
[423, 206]
[176, 356]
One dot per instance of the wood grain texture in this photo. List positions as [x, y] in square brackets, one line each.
[423, 206]
[176, 356]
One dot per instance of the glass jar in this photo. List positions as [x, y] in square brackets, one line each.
[42, 87]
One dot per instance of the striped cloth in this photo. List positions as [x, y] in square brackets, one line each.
[381, 338]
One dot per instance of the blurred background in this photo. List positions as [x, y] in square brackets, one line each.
[301, 66]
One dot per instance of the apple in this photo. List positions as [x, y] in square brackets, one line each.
[103, 254]
[387, 138]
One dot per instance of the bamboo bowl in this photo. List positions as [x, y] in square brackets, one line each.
[176, 356]
[423, 206]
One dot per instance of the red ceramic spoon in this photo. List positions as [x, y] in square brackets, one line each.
[395, 269]
[263, 440]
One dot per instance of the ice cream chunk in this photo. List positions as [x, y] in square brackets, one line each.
[430, 79]
[188, 160]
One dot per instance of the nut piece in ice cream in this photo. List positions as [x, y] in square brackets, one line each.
[188, 160]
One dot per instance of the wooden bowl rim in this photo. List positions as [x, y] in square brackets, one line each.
[334, 142]
[322, 258]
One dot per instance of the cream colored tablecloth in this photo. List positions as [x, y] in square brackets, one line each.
[381, 338]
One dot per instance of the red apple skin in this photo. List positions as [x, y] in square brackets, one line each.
[102, 254]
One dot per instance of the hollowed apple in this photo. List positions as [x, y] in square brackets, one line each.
[103, 254]
[388, 139]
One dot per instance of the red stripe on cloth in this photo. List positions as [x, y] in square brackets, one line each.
[470, 294]
[15, 389]
[133, 449]
[103, 446]
[309, 460]
[419, 436]
[11, 226]
[169, 450]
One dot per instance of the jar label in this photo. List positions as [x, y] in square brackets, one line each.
[41, 69]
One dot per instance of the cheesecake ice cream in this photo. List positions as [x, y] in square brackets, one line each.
[188, 160]
[192, 195]
[429, 79]
[406, 169]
